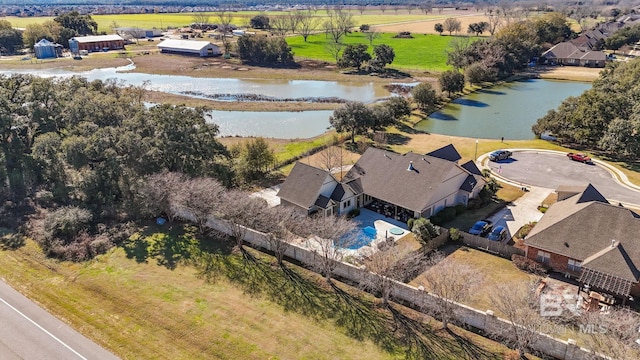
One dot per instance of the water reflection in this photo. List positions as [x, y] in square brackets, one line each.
[508, 110]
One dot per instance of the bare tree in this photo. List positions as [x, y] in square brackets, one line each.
[241, 212]
[518, 304]
[224, 18]
[160, 194]
[396, 8]
[494, 20]
[331, 157]
[426, 7]
[338, 24]
[450, 283]
[450, 25]
[383, 8]
[284, 225]
[387, 266]
[294, 19]
[612, 333]
[200, 20]
[410, 8]
[335, 49]
[371, 35]
[279, 25]
[308, 24]
[331, 236]
[361, 8]
[199, 198]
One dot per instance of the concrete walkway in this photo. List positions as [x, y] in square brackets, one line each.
[522, 211]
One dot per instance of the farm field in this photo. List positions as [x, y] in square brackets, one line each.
[423, 52]
[241, 18]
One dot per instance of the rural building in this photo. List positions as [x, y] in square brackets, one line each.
[45, 49]
[96, 43]
[396, 185]
[587, 238]
[137, 33]
[568, 53]
[189, 47]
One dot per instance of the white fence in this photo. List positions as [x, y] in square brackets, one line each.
[419, 299]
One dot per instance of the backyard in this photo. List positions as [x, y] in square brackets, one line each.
[168, 285]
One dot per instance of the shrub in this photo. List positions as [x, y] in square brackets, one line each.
[353, 213]
[454, 234]
[525, 229]
[424, 230]
[410, 223]
[436, 219]
[542, 209]
[66, 222]
[403, 35]
[526, 264]
[447, 214]
[460, 209]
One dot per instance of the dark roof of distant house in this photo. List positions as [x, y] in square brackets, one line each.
[568, 50]
[584, 227]
[447, 152]
[303, 185]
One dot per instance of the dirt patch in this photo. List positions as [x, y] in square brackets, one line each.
[427, 26]
[574, 73]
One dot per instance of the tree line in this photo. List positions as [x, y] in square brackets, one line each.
[605, 117]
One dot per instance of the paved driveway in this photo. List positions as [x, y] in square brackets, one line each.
[549, 170]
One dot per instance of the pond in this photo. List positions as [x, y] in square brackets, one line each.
[224, 88]
[282, 124]
[507, 110]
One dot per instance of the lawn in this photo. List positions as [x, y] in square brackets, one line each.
[423, 52]
[490, 269]
[168, 293]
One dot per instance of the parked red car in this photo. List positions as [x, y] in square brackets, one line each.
[579, 157]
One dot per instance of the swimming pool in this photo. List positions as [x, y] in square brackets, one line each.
[364, 236]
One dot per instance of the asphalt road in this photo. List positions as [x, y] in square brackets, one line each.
[551, 170]
[29, 332]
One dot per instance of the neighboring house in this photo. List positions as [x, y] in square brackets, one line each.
[586, 237]
[45, 49]
[189, 47]
[568, 53]
[96, 43]
[400, 186]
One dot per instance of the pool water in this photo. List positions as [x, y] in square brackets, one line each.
[363, 237]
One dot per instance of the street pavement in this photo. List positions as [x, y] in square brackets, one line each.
[29, 332]
[550, 169]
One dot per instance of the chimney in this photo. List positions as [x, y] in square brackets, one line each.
[410, 168]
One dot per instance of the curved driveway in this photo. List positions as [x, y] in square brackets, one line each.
[550, 170]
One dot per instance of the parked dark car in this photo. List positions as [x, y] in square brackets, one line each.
[500, 155]
[481, 228]
[497, 234]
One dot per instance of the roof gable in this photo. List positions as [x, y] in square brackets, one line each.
[184, 44]
[302, 186]
[613, 260]
[447, 152]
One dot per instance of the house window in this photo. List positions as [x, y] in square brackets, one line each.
[574, 265]
[346, 204]
[543, 257]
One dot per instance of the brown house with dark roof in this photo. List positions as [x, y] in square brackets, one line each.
[412, 184]
[586, 237]
[568, 53]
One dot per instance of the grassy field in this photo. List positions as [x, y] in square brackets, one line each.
[170, 294]
[241, 18]
[423, 52]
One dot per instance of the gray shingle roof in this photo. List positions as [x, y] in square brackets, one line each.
[385, 175]
[303, 185]
[583, 226]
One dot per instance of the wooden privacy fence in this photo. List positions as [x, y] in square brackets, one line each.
[422, 300]
[495, 247]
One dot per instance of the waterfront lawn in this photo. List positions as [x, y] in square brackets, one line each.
[423, 52]
[170, 291]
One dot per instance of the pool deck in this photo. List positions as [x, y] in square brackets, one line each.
[382, 225]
